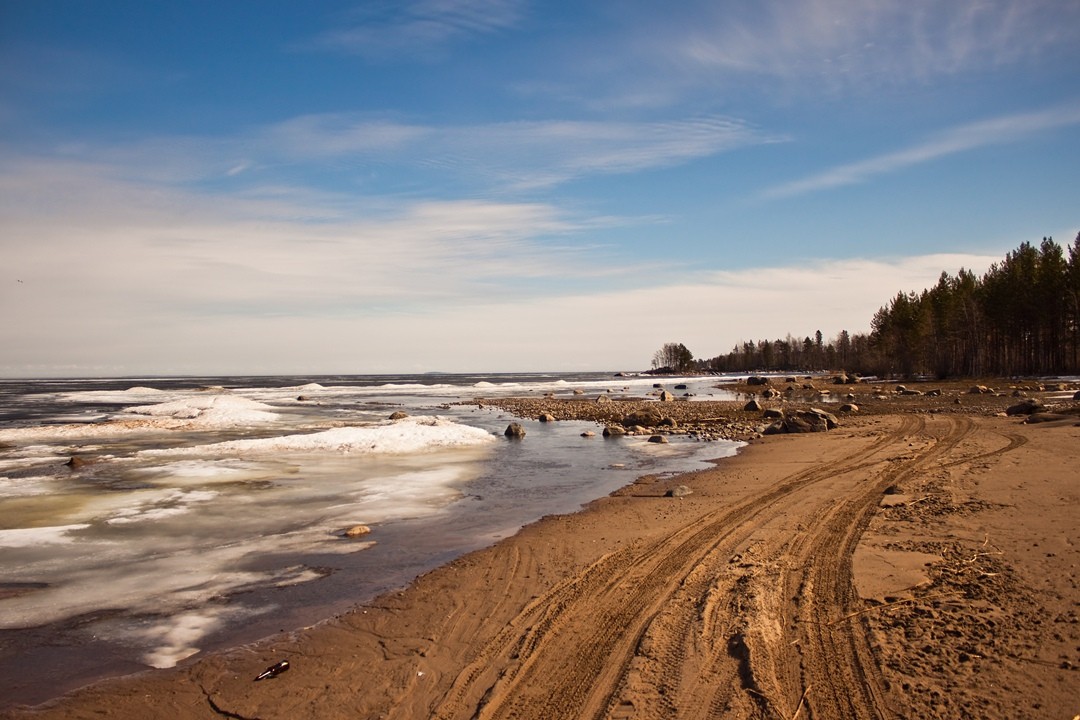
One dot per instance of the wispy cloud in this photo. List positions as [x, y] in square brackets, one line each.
[884, 40]
[420, 26]
[499, 157]
[520, 155]
[996, 131]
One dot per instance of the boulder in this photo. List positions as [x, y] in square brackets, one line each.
[757, 380]
[678, 491]
[752, 406]
[979, 390]
[1029, 406]
[667, 422]
[849, 408]
[829, 419]
[514, 430]
[680, 387]
[399, 415]
[614, 431]
[772, 414]
[588, 433]
[545, 418]
[659, 439]
[665, 396]
[648, 417]
[75, 462]
[841, 380]
[803, 421]
[1045, 417]
[1076, 395]
[603, 398]
[356, 531]
[770, 393]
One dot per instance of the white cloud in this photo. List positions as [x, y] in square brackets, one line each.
[121, 278]
[960, 139]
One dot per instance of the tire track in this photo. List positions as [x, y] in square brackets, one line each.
[836, 659]
[546, 664]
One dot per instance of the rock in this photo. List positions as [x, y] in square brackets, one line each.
[770, 393]
[979, 390]
[603, 398]
[790, 380]
[1044, 417]
[678, 491]
[803, 421]
[667, 422]
[665, 396]
[849, 408]
[356, 531]
[301, 398]
[588, 433]
[76, 462]
[657, 386]
[841, 380]
[1027, 407]
[772, 414]
[399, 415]
[514, 430]
[757, 380]
[1076, 396]
[680, 386]
[646, 418]
[907, 392]
[660, 439]
[546, 418]
[936, 392]
[579, 391]
[830, 419]
[752, 406]
[901, 389]
[614, 431]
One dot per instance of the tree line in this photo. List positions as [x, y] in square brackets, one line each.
[1022, 317]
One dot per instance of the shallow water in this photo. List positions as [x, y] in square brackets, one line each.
[200, 518]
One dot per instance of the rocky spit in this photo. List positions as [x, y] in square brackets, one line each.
[704, 420]
[770, 405]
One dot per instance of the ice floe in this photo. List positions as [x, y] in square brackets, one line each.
[411, 435]
[209, 411]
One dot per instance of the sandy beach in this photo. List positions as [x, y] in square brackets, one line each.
[918, 561]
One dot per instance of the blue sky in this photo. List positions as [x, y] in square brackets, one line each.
[501, 185]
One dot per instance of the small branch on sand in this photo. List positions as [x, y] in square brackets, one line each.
[980, 553]
[874, 608]
[802, 701]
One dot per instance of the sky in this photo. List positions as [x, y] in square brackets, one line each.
[197, 188]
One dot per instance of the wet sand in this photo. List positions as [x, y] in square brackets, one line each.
[918, 561]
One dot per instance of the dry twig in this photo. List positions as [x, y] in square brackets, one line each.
[802, 701]
[895, 602]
